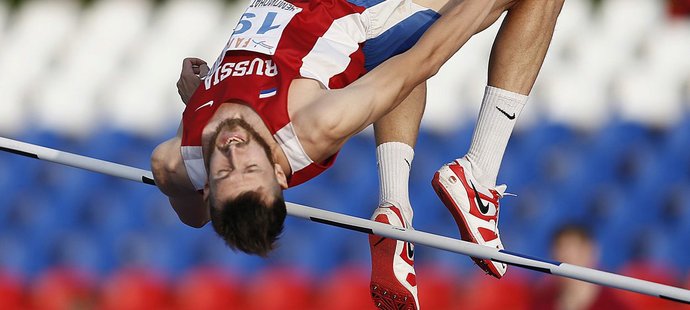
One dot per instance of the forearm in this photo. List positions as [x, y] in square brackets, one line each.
[349, 110]
[392, 81]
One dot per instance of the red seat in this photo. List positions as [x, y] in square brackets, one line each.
[484, 292]
[135, 289]
[62, 288]
[438, 288]
[207, 289]
[650, 272]
[279, 289]
[345, 288]
[11, 292]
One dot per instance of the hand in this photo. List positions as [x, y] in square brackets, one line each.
[190, 77]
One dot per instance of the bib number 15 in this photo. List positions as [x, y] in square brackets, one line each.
[261, 27]
[247, 19]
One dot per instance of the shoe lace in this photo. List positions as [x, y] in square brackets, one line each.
[501, 190]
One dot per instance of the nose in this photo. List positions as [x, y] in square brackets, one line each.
[232, 152]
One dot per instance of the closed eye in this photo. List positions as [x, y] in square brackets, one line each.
[221, 174]
[252, 168]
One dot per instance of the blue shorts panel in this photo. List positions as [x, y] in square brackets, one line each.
[398, 38]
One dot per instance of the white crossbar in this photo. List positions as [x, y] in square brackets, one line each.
[371, 227]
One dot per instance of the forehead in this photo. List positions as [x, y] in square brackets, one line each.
[228, 191]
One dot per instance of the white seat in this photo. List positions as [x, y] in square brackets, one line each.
[574, 98]
[575, 18]
[141, 99]
[95, 53]
[215, 40]
[455, 93]
[39, 29]
[648, 96]
[667, 48]
[630, 20]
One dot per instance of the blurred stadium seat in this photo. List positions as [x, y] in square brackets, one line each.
[11, 292]
[62, 289]
[347, 287]
[438, 288]
[481, 292]
[135, 289]
[651, 272]
[278, 288]
[208, 289]
[605, 140]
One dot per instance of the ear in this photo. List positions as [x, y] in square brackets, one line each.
[280, 176]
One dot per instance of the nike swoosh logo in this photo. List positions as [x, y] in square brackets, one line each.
[207, 104]
[484, 209]
[408, 163]
[410, 251]
[509, 116]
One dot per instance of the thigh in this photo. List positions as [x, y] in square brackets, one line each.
[393, 26]
[396, 25]
[499, 7]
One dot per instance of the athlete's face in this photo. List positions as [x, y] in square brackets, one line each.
[239, 160]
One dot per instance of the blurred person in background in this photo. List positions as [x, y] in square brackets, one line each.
[289, 89]
[573, 244]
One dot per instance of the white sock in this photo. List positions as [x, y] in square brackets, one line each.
[394, 160]
[497, 116]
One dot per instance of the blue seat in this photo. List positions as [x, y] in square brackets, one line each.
[106, 144]
[155, 213]
[141, 248]
[109, 212]
[46, 138]
[680, 238]
[15, 251]
[615, 244]
[76, 248]
[678, 136]
[451, 144]
[317, 248]
[209, 250]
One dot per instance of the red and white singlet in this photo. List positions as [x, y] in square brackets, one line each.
[277, 41]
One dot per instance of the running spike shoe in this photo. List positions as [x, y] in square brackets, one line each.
[393, 280]
[474, 207]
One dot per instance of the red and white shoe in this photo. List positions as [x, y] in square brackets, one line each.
[474, 207]
[393, 280]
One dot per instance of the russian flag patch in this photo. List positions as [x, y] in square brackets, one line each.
[268, 93]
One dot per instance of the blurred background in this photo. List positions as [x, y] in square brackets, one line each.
[603, 144]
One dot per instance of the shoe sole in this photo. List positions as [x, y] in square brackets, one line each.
[465, 234]
[385, 292]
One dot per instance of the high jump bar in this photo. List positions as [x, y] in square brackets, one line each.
[370, 227]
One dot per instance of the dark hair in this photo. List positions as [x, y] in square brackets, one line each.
[249, 224]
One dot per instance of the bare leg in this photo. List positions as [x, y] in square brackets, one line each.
[515, 61]
[516, 58]
[521, 44]
[396, 136]
[402, 124]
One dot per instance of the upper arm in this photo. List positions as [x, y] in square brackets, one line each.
[339, 114]
[171, 178]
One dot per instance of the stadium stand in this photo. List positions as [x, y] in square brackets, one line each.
[605, 139]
